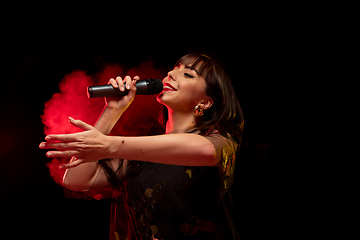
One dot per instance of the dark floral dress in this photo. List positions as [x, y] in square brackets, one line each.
[174, 202]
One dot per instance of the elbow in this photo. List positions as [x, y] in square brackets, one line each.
[72, 185]
[69, 185]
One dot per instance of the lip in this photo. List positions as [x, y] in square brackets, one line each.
[169, 87]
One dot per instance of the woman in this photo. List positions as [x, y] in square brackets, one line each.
[170, 186]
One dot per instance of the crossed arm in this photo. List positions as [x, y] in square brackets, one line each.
[91, 145]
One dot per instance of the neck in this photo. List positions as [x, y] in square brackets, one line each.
[179, 122]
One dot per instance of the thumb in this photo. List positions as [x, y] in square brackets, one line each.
[75, 163]
[80, 124]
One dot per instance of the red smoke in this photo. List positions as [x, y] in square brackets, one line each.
[141, 118]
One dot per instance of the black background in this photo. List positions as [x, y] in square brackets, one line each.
[284, 183]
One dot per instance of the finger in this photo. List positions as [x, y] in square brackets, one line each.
[62, 137]
[132, 91]
[72, 136]
[42, 145]
[57, 145]
[113, 83]
[61, 154]
[136, 78]
[128, 82]
[119, 81]
[80, 124]
[75, 163]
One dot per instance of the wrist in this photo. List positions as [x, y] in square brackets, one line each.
[107, 119]
[114, 111]
[111, 107]
[109, 146]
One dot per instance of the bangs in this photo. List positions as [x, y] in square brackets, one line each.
[200, 62]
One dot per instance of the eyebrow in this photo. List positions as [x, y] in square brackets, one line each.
[192, 68]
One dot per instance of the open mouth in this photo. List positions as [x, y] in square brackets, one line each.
[169, 87]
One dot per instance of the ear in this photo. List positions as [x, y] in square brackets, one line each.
[207, 103]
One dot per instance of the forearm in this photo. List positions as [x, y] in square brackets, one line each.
[107, 120]
[80, 177]
[173, 149]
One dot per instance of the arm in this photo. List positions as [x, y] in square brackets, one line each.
[91, 145]
[91, 175]
[174, 149]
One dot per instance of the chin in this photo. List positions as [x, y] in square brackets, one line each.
[158, 98]
[164, 100]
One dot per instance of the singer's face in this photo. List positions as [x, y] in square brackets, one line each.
[183, 89]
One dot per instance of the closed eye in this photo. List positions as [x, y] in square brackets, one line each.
[188, 75]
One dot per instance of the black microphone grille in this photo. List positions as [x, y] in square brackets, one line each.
[158, 86]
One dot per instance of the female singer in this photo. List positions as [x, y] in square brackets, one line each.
[170, 186]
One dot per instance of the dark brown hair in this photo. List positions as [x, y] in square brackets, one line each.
[225, 115]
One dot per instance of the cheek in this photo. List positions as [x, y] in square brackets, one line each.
[193, 92]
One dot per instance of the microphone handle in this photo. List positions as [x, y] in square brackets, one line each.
[109, 91]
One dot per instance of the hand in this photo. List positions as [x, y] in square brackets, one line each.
[87, 146]
[124, 102]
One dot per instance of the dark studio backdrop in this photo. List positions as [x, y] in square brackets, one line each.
[279, 191]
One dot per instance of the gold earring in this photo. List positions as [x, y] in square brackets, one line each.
[199, 111]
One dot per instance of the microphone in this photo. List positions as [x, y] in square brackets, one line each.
[144, 87]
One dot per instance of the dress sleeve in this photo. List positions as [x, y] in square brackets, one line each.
[226, 151]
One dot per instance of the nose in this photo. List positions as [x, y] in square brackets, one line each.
[171, 75]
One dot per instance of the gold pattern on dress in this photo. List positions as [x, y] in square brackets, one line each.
[228, 165]
[116, 235]
[188, 172]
